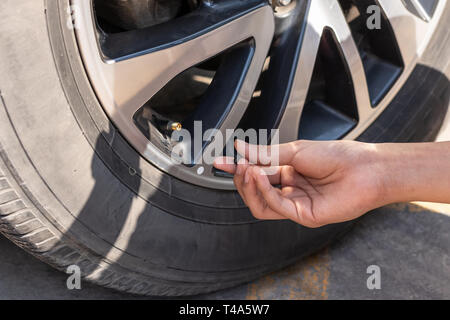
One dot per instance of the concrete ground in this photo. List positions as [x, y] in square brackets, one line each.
[409, 242]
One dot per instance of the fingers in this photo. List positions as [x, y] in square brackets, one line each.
[279, 204]
[276, 155]
[273, 174]
[255, 201]
[254, 185]
[246, 187]
[282, 175]
[272, 195]
[225, 164]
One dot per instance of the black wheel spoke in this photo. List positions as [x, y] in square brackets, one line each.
[210, 15]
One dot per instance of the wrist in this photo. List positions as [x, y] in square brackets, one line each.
[385, 172]
[381, 173]
[408, 172]
[391, 170]
[395, 172]
[373, 173]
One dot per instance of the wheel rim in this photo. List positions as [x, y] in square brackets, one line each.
[273, 76]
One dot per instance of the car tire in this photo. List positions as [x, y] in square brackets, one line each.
[74, 192]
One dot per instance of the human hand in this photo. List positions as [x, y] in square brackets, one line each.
[319, 182]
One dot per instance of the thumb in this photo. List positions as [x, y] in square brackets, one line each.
[274, 155]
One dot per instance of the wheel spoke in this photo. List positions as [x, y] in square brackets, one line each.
[323, 14]
[409, 30]
[237, 106]
[356, 69]
[290, 121]
[420, 10]
[129, 82]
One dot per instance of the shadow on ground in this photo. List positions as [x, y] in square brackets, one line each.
[409, 242]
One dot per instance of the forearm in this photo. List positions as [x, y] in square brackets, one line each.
[414, 172]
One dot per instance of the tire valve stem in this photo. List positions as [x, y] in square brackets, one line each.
[174, 126]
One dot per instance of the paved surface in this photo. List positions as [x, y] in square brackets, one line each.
[409, 242]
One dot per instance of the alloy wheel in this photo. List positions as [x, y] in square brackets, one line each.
[318, 69]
